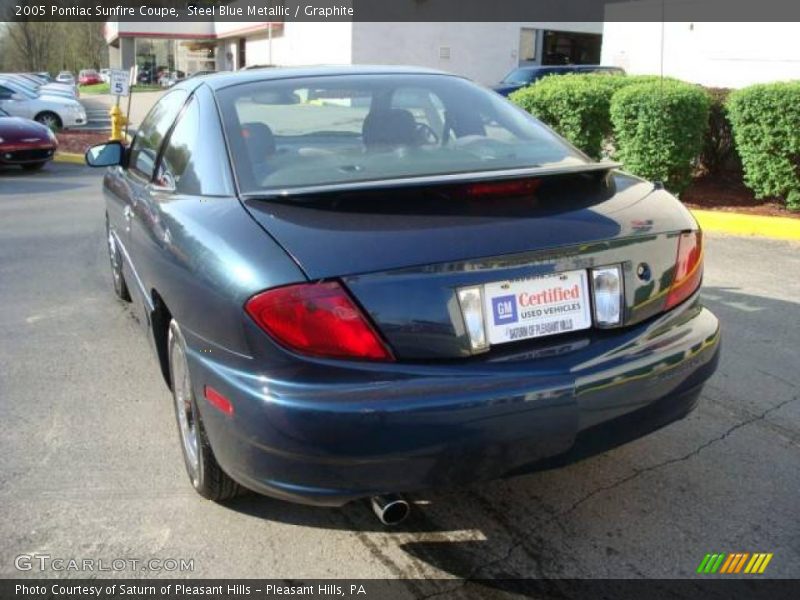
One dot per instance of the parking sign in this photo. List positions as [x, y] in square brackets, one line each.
[119, 82]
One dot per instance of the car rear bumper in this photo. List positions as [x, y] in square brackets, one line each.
[329, 434]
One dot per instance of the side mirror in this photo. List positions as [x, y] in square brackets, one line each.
[109, 154]
[17, 96]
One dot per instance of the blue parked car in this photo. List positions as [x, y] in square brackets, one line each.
[364, 281]
[525, 76]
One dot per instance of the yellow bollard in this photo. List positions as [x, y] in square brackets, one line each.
[118, 120]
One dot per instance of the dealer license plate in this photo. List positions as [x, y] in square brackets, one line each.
[537, 306]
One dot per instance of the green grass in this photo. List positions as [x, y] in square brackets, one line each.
[97, 88]
[102, 88]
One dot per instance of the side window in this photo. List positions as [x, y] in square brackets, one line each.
[5, 93]
[194, 161]
[155, 126]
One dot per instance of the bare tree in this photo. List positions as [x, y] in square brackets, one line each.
[50, 46]
[87, 45]
[31, 43]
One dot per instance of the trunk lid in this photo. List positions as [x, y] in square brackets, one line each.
[403, 253]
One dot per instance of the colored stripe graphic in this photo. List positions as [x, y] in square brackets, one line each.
[718, 562]
[703, 563]
[727, 564]
[754, 562]
[731, 565]
[740, 564]
[764, 564]
[734, 563]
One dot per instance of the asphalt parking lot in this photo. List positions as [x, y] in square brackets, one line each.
[92, 468]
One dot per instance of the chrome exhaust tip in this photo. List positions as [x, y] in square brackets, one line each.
[391, 509]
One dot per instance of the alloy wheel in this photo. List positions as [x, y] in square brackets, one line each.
[185, 409]
[113, 256]
[49, 121]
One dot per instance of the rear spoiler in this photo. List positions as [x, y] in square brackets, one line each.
[447, 179]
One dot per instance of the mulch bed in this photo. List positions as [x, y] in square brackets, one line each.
[78, 141]
[726, 192]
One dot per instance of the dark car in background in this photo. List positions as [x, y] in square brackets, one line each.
[25, 143]
[362, 281]
[146, 74]
[525, 76]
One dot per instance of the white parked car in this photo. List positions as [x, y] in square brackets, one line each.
[105, 75]
[65, 77]
[56, 112]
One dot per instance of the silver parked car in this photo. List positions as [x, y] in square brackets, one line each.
[35, 85]
[56, 112]
[65, 77]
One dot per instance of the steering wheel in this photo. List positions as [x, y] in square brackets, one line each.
[426, 134]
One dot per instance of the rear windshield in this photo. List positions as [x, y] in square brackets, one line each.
[341, 129]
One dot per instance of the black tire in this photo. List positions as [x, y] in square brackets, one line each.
[115, 258]
[34, 166]
[205, 474]
[49, 119]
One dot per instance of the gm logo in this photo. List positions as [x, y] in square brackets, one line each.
[504, 309]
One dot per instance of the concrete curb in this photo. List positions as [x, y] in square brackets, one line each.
[69, 157]
[780, 228]
[77, 159]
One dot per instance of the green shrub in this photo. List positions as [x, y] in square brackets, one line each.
[576, 106]
[659, 128]
[766, 127]
[719, 153]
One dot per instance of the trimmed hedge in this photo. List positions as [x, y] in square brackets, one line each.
[659, 129]
[665, 129]
[576, 106]
[766, 127]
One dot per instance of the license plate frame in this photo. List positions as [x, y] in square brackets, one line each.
[537, 306]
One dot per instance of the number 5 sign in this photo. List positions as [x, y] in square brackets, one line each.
[120, 82]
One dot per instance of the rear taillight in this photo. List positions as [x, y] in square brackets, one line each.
[318, 319]
[688, 268]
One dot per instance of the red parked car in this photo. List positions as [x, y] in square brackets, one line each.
[25, 143]
[89, 77]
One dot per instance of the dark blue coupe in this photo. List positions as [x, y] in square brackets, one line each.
[363, 281]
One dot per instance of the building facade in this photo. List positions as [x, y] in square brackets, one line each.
[713, 54]
[483, 52]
